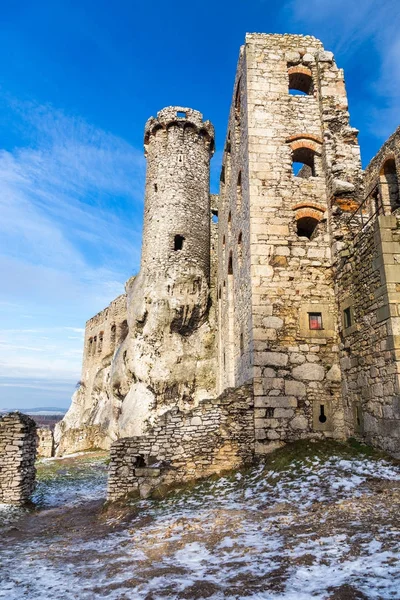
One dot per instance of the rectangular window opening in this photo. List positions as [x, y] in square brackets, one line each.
[347, 317]
[178, 242]
[315, 321]
[181, 114]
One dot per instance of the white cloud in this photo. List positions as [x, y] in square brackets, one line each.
[70, 233]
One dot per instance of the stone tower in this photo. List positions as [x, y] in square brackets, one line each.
[291, 165]
[176, 233]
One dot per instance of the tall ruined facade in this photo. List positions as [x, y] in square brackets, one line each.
[263, 315]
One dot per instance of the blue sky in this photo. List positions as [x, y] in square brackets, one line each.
[78, 80]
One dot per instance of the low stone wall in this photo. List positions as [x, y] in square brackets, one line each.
[216, 436]
[17, 458]
[45, 442]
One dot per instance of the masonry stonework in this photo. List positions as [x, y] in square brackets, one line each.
[284, 285]
[17, 458]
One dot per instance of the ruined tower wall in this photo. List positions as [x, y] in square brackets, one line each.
[92, 419]
[368, 293]
[177, 205]
[235, 340]
[295, 368]
[17, 458]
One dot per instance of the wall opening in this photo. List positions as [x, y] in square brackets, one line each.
[228, 144]
[223, 241]
[389, 184]
[181, 114]
[94, 345]
[123, 331]
[240, 248]
[155, 187]
[230, 264]
[222, 176]
[229, 219]
[239, 191]
[306, 227]
[322, 415]
[214, 216]
[300, 83]
[237, 115]
[315, 320]
[241, 344]
[113, 335]
[178, 242]
[303, 163]
[347, 317]
[90, 347]
[100, 344]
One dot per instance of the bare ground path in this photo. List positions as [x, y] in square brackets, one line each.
[313, 521]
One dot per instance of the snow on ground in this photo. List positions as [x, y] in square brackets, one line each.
[318, 528]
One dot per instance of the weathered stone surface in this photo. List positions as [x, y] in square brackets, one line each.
[309, 372]
[17, 458]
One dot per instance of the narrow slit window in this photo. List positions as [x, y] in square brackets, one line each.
[178, 242]
[241, 343]
[315, 321]
[322, 415]
[230, 264]
[347, 317]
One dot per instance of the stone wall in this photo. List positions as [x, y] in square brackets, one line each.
[17, 458]
[216, 436]
[92, 420]
[368, 284]
[45, 442]
[275, 234]
[368, 294]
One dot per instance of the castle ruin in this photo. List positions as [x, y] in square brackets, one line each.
[265, 314]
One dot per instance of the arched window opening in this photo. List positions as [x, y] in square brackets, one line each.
[100, 344]
[230, 264]
[306, 227]
[239, 190]
[390, 184]
[303, 163]
[178, 242]
[240, 248]
[214, 216]
[123, 331]
[300, 81]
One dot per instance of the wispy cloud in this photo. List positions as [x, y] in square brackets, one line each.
[71, 206]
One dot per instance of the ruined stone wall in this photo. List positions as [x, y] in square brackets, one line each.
[368, 291]
[216, 436]
[368, 284]
[17, 458]
[45, 442]
[235, 340]
[287, 225]
[92, 420]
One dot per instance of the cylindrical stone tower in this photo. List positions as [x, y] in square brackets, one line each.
[176, 234]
